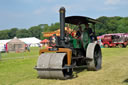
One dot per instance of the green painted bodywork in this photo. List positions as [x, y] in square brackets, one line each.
[77, 43]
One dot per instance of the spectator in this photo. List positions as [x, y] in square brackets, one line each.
[28, 48]
[0, 55]
[6, 47]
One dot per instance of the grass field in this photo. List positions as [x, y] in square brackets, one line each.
[17, 69]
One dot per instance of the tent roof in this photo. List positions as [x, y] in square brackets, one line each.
[4, 41]
[44, 41]
[30, 40]
[15, 40]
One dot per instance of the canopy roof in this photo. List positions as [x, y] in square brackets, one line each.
[79, 20]
[44, 41]
[57, 32]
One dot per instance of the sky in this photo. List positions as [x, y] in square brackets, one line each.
[28, 13]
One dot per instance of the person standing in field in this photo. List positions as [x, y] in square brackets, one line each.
[0, 55]
[6, 47]
[28, 48]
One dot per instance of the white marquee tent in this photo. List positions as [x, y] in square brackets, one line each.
[32, 41]
[2, 43]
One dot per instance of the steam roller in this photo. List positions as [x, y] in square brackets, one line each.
[69, 51]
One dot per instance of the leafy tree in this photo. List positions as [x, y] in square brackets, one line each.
[22, 33]
[112, 25]
[54, 27]
[35, 31]
[46, 28]
[4, 34]
[115, 24]
[12, 32]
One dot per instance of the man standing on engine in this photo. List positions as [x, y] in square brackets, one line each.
[89, 30]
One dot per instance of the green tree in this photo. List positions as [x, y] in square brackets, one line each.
[22, 33]
[4, 34]
[112, 25]
[35, 31]
[54, 27]
[46, 28]
[12, 32]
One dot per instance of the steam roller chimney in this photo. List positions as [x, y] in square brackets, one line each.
[62, 23]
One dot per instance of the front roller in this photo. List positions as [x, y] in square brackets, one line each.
[53, 66]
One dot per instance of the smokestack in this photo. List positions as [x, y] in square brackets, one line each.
[62, 23]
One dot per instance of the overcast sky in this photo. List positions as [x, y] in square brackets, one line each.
[27, 13]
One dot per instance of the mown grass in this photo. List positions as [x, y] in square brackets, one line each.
[33, 52]
[19, 71]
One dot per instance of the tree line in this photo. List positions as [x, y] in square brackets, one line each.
[112, 25]
[106, 25]
[35, 31]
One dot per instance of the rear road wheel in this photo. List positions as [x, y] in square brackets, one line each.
[94, 64]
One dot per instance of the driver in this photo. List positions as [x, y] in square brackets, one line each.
[79, 32]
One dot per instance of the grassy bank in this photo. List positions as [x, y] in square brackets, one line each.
[17, 69]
